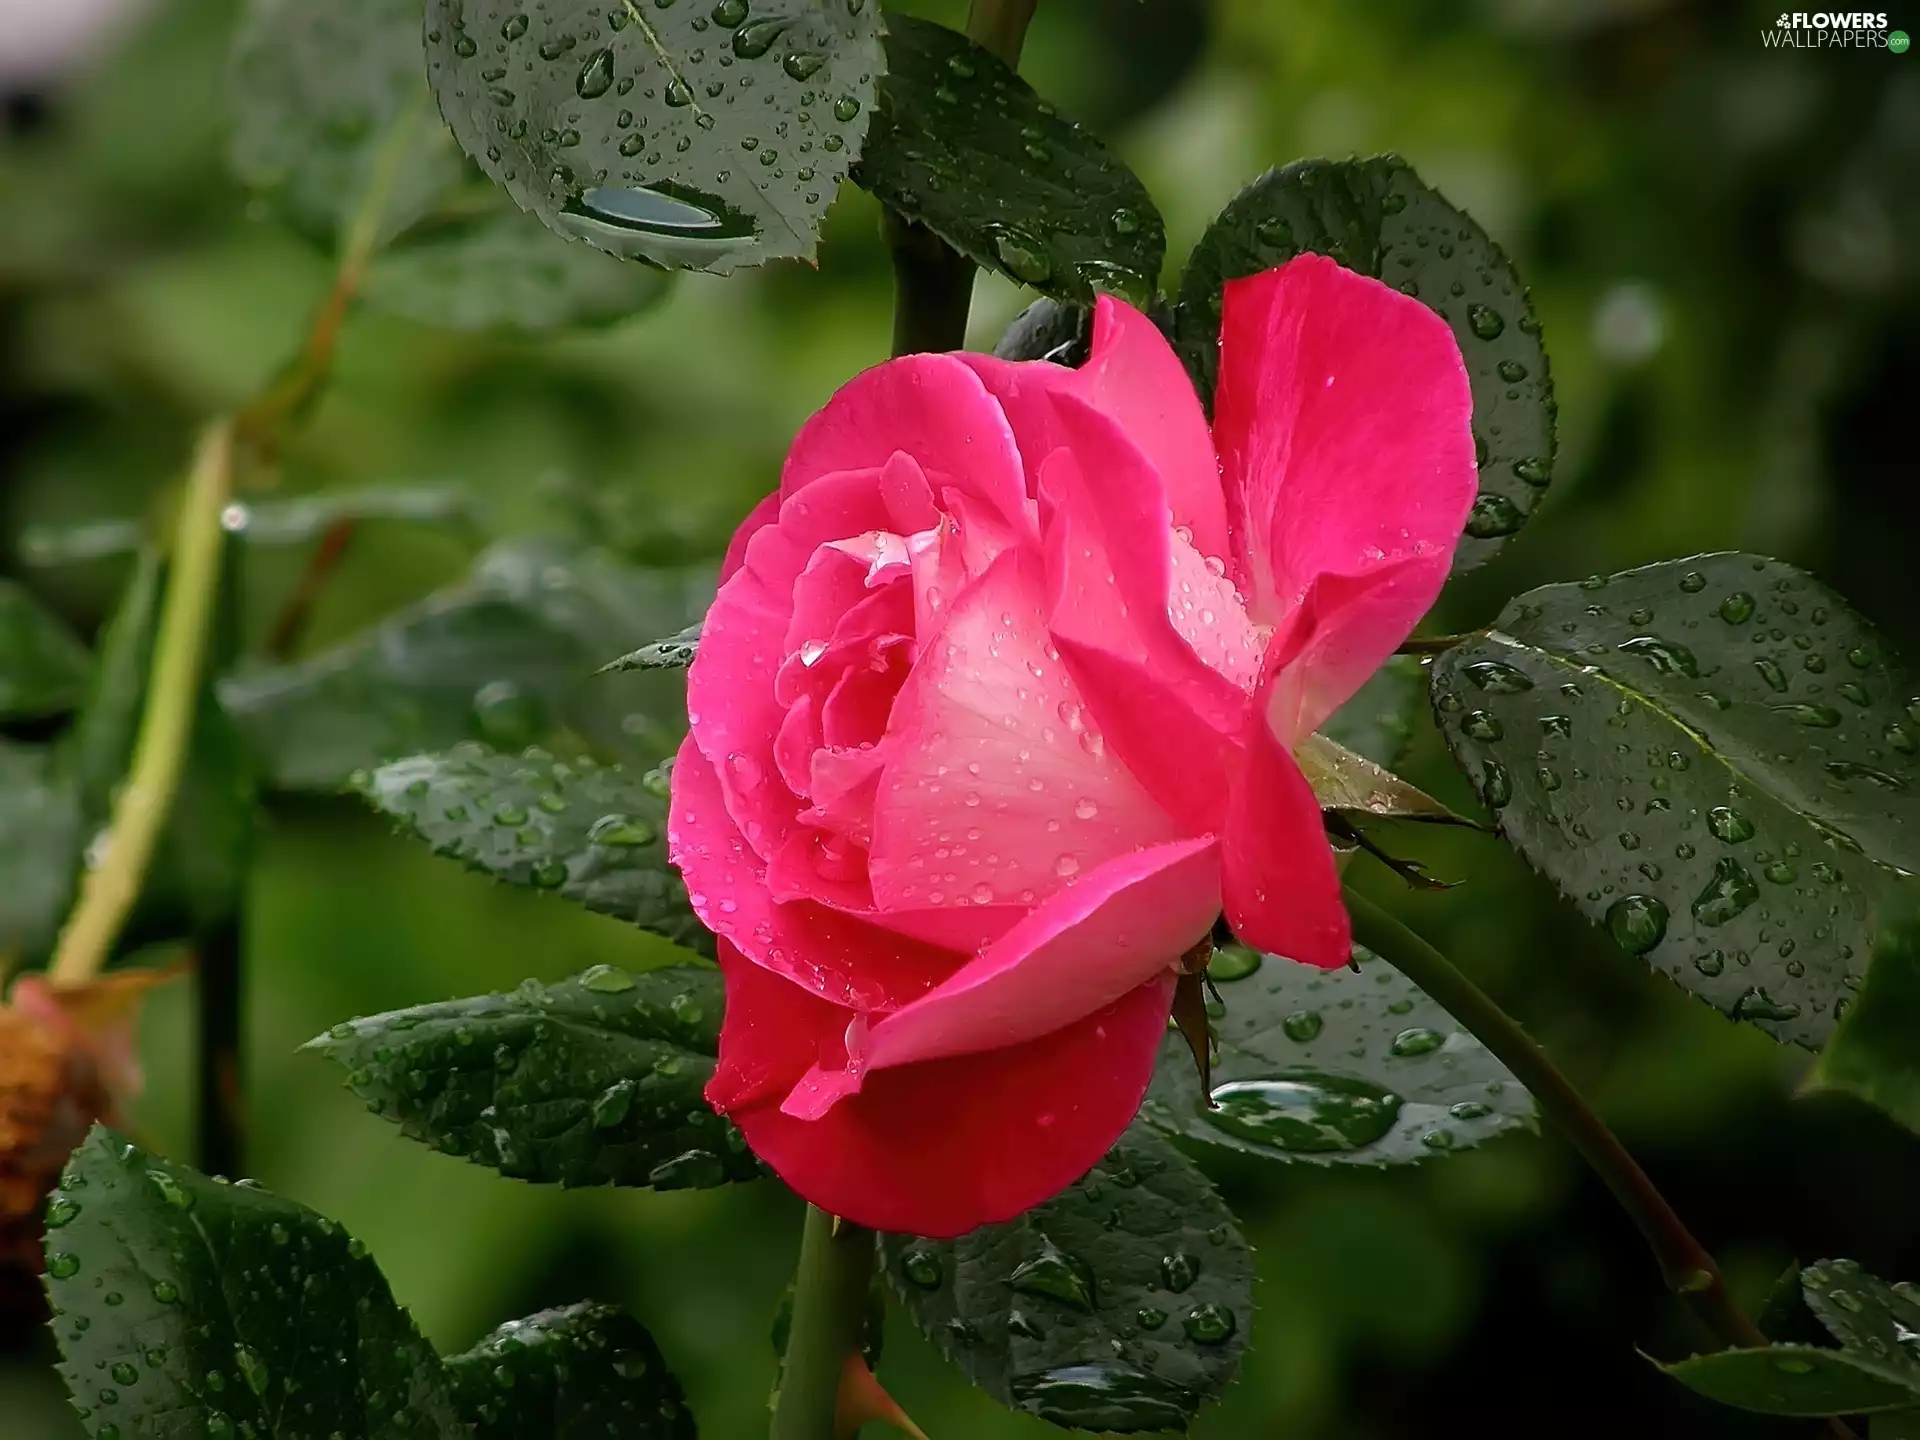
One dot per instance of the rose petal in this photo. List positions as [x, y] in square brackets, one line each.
[762, 515]
[1079, 951]
[1343, 421]
[818, 948]
[993, 790]
[945, 1146]
[1133, 377]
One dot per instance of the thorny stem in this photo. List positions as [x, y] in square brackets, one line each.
[107, 893]
[933, 291]
[291, 623]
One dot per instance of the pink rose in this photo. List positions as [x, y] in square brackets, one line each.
[995, 712]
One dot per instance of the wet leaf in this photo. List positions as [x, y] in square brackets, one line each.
[42, 662]
[1048, 330]
[1121, 1305]
[1352, 784]
[694, 136]
[1872, 1053]
[317, 92]
[590, 833]
[1376, 217]
[1334, 1068]
[191, 1307]
[594, 1081]
[293, 521]
[503, 270]
[676, 652]
[965, 147]
[505, 657]
[1713, 759]
[587, 1372]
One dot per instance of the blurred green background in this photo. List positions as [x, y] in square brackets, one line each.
[1724, 245]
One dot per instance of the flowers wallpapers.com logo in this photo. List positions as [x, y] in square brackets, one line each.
[1834, 29]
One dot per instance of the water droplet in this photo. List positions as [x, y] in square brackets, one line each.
[1737, 608]
[165, 1292]
[607, 980]
[252, 1369]
[1302, 1026]
[1057, 1275]
[1730, 891]
[1304, 1111]
[1853, 770]
[1498, 677]
[1179, 1270]
[752, 41]
[1106, 1396]
[1637, 923]
[1496, 786]
[1729, 825]
[1534, 470]
[664, 220]
[1021, 255]
[1511, 371]
[170, 1190]
[1482, 725]
[620, 831]
[613, 1105]
[844, 109]
[1150, 1317]
[802, 65]
[923, 1268]
[507, 715]
[730, 13]
[1485, 321]
[1775, 677]
[596, 76]
[514, 27]
[1493, 516]
[61, 1212]
[1664, 655]
[1209, 1324]
[1820, 717]
[1756, 1004]
[1469, 1110]
[62, 1265]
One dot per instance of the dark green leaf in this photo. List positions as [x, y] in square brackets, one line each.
[506, 657]
[1333, 1067]
[1875, 1048]
[965, 147]
[42, 662]
[594, 1081]
[188, 1308]
[40, 838]
[1048, 330]
[1377, 721]
[594, 834]
[1121, 1305]
[293, 521]
[505, 271]
[319, 90]
[695, 136]
[1352, 784]
[1784, 1318]
[1866, 1314]
[1375, 217]
[588, 1372]
[1793, 1380]
[676, 652]
[1713, 759]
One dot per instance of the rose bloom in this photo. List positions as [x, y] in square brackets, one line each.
[994, 715]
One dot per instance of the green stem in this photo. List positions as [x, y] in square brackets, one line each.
[166, 724]
[1684, 1263]
[829, 1307]
[932, 283]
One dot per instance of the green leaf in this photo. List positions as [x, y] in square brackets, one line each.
[505, 271]
[42, 662]
[188, 1307]
[40, 837]
[293, 521]
[587, 1372]
[506, 657]
[594, 1081]
[1895, 1425]
[1864, 1313]
[694, 136]
[1333, 1067]
[964, 146]
[1872, 1053]
[1713, 759]
[593, 834]
[318, 91]
[1377, 722]
[676, 652]
[1376, 217]
[1793, 1380]
[1352, 784]
[1120, 1305]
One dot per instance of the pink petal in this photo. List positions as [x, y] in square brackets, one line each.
[946, 1146]
[1281, 886]
[1133, 377]
[934, 409]
[993, 789]
[1077, 952]
[819, 949]
[1344, 425]
[762, 515]
[1337, 637]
